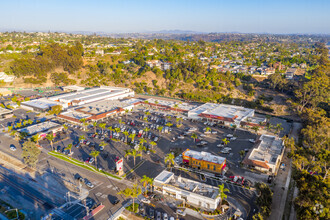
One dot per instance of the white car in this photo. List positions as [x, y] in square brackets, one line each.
[203, 135]
[181, 137]
[144, 200]
[91, 160]
[165, 217]
[233, 138]
[214, 132]
[13, 148]
[252, 140]
[220, 145]
[230, 135]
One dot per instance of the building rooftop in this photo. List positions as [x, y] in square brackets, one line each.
[170, 180]
[73, 88]
[172, 104]
[206, 156]
[229, 111]
[74, 114]
[42, 103]
[267, 149]
[5, 111]
[41, 127]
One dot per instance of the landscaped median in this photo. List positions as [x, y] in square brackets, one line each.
[81, 164]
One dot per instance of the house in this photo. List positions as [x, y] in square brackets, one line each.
[6, 78]
[154, 63]
[290, 73]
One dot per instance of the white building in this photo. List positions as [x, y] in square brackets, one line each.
[266, 155]
[194, 193]
[227, 114]
[42, 128]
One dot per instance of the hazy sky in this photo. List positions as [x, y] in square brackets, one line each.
[247, 16]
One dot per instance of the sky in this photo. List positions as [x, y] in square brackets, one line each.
[127, 16]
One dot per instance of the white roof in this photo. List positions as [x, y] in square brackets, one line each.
[206, 156]
[164, 177]
[172, 104]
[5, 111]
[267, 148]
[41, 103]
[44, 126]
[75, 114]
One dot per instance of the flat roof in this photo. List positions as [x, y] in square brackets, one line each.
[75, 114]
[206, 156]
[164, 177]
[5, 111]
[172, 104]
[43, 126]
[168, 179]
[267, 149]
[229, 111]
[74, 87]
[41, 103]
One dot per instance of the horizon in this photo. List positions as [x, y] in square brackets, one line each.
[112, 17]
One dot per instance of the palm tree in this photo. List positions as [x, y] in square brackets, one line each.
[145, 182]
[132, 136]
[169, 124]
[133, 192]
[241, 153]
[102, 126]
[110, 128]
[117, 130]
[194, 136]
[94, 126]
[36, 138]
[225, 141]
[65, 127]
[134, 154]
[82, 137]
[142, 141]
[9, 128]
[146, 129]
[160, 128]
[50, 137]
[83, 121]
[13, 133]
[222, 191]
[126, 135]
[152, 143]
[126, 111]
[169, 159]
[147, 113]
[278, 128]
[141, 149]
[127, 153]
[95, 154]
[207, 129]
[103, 144]
[69, 147]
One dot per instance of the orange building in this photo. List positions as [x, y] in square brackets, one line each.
[203, 161]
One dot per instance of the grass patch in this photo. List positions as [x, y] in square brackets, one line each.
[81, 164]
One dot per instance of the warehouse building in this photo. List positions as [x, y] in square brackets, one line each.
[190, 192]
[203, 161]
[40, 105]
[266, 155]
[6, 113]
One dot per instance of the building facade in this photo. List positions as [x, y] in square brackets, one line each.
[203, 161]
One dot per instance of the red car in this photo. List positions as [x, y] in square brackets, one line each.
[88, 159]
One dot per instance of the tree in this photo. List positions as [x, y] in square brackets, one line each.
[160, 128]
[55, 110]
[95, 154]
[30, 153]
[127, 153]
[83, 121]
[222, 191]
[126, 135]
[82, 138]
[103, 144]
[141, 149]
[152, 143]
[194, 136]
[65, 127]
[95, 126]
[256, 129]
[36, 138]
[133, 192]
[146, 181]
[207, 129]
[146, 129]
[278, 128]
[134, 154]
[110, 128]
[50, 138]
[69, 147]
[225, 141]
[132, 136]
[242, 153]
[169, 159]
[264, 199]
[169, 124]
[102, 126]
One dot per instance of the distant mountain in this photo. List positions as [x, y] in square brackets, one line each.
[176, 32]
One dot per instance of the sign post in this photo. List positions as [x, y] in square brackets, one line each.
[119, 167]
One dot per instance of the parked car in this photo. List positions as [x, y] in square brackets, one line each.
[181, 212]
[151, 213]
[159, 216]
[115, 201]
[165, 217]
[12, 147]
[144, 200]
[88, 183]
[252, 140]
[230, 135]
